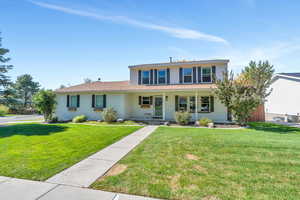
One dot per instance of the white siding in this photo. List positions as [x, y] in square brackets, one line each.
[285, 97]
[117, 101]
[174, 73]
[127, 106]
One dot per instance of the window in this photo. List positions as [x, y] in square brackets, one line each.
[99, 101]
[146, 77]
[206, 74]
[73, 101]
[161, 76]
[182, 103]
[192, 104]
[146, 100]
[187, 75]
[204, 104]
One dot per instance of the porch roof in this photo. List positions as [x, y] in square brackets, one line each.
[125, 86]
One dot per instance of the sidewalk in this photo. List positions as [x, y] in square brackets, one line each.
[71, 183]
[20, 189]
[87, 171]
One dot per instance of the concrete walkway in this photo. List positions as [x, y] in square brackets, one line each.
[87, 171]
[20, 189]
[70, 183]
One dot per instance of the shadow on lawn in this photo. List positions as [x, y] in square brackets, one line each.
[271, 127]
[30, 129]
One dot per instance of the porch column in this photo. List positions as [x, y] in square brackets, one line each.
[164, 106]
[196, 106]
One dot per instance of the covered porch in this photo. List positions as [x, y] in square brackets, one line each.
[163, 105]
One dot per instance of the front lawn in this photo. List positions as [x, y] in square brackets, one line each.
[39, 151]
[112, 123]
[190, 163]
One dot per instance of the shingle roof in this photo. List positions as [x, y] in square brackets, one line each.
[197, 62]
[125, 86]
[297, 74]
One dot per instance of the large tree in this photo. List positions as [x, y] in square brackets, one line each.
[243, 94]
[25, 88]
[4, 68]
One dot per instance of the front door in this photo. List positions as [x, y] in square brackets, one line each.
[158, 107]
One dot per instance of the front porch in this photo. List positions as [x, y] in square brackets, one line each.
[161, 106]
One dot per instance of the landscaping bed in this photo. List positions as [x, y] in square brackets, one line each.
[261, 162]
[39, 151]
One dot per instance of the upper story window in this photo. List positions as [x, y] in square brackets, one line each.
[73, 101]
[99, 101]
[161, 76]
[146, 77]
[187, 75]
[206, 75]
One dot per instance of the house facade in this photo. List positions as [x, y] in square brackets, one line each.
[284, 100]
[154, 91]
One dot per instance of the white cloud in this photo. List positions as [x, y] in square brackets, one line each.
[183, 33]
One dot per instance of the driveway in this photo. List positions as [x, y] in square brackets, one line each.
[21, 118]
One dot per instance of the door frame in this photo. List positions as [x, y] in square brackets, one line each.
[154, 106]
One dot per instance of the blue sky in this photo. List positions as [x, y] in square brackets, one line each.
[64, 41]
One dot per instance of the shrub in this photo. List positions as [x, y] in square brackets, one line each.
[3, 110]
[109, 115]
[79, 119]
[182, 118]
[44, 101]
[54, 120]
[204, 121]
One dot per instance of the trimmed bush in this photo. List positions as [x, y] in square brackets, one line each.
[79, 119]
[109, 115]
[3, 110]
[204, 121]
[182, 118]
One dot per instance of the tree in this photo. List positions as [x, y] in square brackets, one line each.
[87, 80]
[259, 75]
[25, 88]
[45, 102]
[62, 86]
[4, 68]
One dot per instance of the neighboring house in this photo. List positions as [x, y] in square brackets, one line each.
[284, 101]
[154, 91]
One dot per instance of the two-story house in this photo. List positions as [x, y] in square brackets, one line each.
[154, 91]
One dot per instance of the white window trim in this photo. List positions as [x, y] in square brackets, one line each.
[183, 75]
[143, 77]
[142, 103]
[202, 68]
[200, 102]
[157, 78]
[96, 100]
[75, 101]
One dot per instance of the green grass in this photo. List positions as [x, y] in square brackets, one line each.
[112, 123]
[262, 162]
[39, 151]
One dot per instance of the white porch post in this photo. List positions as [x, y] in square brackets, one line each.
[164, 106]
[196, 106]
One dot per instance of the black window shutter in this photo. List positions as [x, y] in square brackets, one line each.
[104, 101]
[68, 101]
[176, 103]
[151, 100]
[168, 76]
[140, 77]
[180, 75]
[212, 104]
[213, 70]
[78, 101]
[151, 76]
[93, 101]
[194, 75]
[199, 75]
[140, 100]
[155, 76]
